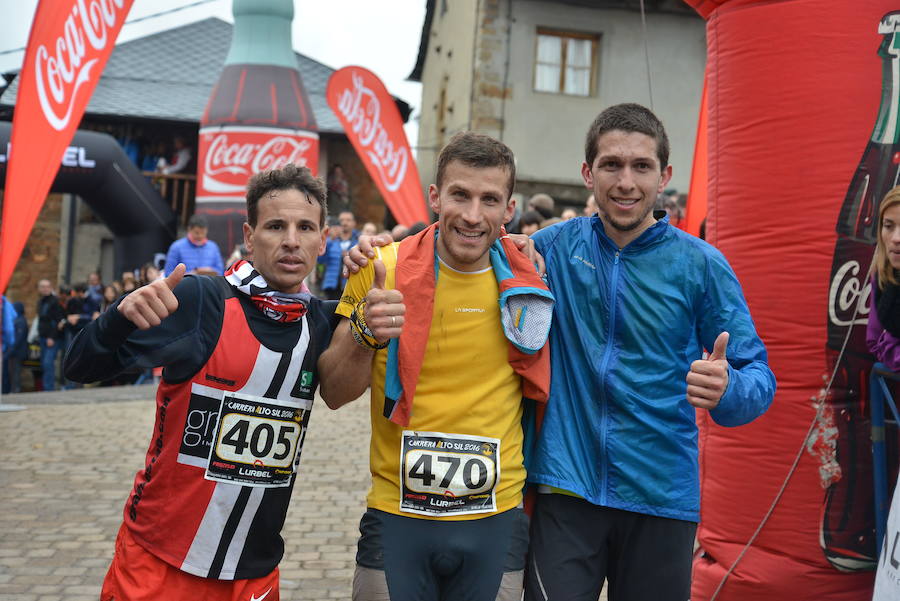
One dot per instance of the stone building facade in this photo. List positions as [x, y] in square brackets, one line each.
[483, 65]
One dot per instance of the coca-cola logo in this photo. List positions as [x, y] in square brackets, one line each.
[64, 69]
[361, 108]
[230, 157]
[849, 293]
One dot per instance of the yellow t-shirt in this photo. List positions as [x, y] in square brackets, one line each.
[468, 400]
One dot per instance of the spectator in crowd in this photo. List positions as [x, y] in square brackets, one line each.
[50, 315]
[568, 214]
[199, 254]
[549, 222]
[110, 295]
[18, 351]
[543, 204]
[673, 211]
[883, 330]
[399, 232]
[149, 274]
[78, 314]
[65, 292]
[94, 289]
[338, 190]
[335, 249]
[128, 283]
[368, 229]
[181, 158]
[91, 302]
[590, 206]
[8, 315]
[530, 222]
[239, 253]
[415, 228]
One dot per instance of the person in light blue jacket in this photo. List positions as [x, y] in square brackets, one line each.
[638, 301]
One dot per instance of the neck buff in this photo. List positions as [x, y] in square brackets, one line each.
[280, 306]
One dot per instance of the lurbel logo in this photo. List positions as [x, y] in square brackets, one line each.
[73, 156]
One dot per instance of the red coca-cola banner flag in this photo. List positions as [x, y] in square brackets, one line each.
[68, 47]
[374, 126]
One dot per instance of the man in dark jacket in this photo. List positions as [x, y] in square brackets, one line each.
[50, 314]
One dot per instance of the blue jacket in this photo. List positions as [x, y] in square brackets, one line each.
[9, 325]
[618, 430]
[193, 256]
[332, 258]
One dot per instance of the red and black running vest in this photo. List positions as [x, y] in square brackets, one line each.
[214, 492]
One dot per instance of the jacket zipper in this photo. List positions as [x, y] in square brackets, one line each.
[604, 368]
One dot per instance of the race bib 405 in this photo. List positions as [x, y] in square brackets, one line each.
[257, 441]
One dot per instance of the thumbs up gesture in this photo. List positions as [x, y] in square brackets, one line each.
[708, 378]
[147, 306]
[384, 308]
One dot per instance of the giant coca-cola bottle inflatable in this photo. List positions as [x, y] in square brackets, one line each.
[848, 523]
[258, 116]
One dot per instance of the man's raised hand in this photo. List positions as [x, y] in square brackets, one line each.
[708, 378]
[526, 245]
[384, 308]
[147, 306]
[359, 255]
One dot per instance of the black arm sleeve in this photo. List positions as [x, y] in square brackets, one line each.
[182, 343]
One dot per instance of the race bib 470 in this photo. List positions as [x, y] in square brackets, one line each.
[448, 474]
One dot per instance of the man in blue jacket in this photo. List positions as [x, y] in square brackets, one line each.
[637, 303]
[198, 253]
[333, 282]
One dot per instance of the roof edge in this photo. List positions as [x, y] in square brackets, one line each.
[416, 74]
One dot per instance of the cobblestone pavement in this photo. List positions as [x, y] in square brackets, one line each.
[68, 463]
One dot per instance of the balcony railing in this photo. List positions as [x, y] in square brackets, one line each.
[178, 189]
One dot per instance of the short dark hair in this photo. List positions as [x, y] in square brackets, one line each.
[531, 218]
[477, 150]
[197, 221]
[628, 117]
[289, 177]
[543, 204]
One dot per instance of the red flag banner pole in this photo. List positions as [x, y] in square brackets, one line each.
[697, 192]
[375, 128]
[69, 44]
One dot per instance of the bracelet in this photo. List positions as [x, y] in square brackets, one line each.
[360, 330]
[358, 318]
[363, 342]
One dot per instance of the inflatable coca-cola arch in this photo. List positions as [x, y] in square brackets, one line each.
[802, 140]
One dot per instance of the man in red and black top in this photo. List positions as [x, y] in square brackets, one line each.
[240, 357]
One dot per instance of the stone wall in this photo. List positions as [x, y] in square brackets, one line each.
[40, 257]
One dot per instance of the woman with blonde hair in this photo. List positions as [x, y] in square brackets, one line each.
[883, 331]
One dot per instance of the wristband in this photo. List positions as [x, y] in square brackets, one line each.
[360, 330]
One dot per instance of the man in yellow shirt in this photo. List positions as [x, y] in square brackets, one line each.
[444, 517]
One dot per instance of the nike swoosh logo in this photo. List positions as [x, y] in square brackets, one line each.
[253, 597]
